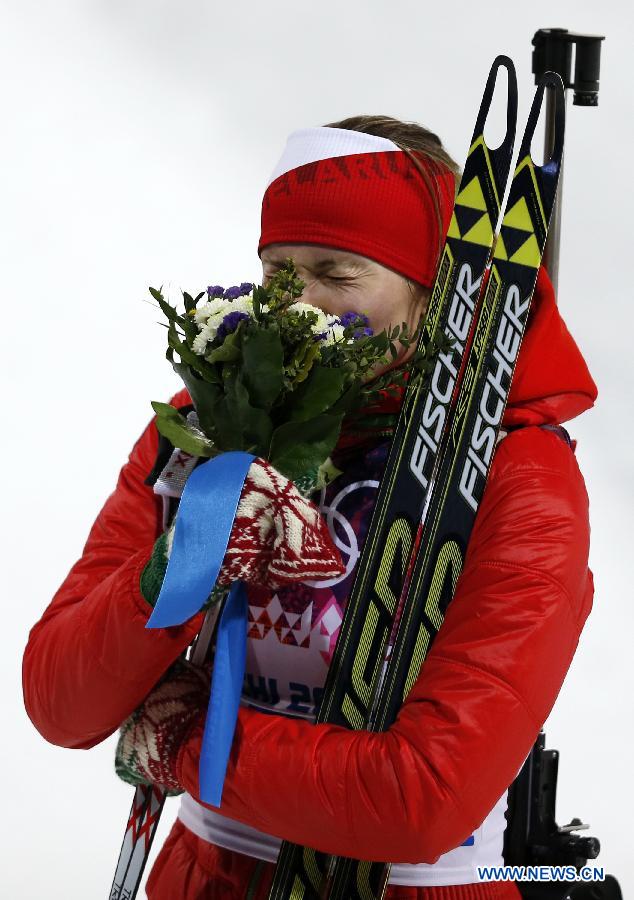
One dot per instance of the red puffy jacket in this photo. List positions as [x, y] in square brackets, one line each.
[488, 684]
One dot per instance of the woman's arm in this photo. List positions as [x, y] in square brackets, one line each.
[90, 661]
[490, 680]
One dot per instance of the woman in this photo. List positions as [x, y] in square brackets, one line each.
[362, 206]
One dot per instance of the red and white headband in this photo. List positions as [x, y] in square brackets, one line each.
[360, 193]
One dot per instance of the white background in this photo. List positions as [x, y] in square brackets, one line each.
[136, 140]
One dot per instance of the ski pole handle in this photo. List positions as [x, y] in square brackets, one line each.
[553, 53]
[204, 638]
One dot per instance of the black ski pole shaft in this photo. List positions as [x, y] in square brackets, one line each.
[553, 52]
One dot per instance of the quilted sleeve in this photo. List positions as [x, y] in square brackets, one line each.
[90, 661]
[488, 684]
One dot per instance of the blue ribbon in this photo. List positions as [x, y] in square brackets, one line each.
[206, 513]
[226, 688]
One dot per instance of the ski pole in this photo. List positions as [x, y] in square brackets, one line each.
[149, 799]
[553, 53]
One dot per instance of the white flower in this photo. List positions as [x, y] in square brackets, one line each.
[241, 304]
[323, 321]
[199, 344]
[215, 311]
[209, 332]
[218, 306]
[210, 308]
[335, 333]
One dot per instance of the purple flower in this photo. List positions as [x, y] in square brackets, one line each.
[229, 324]
[215, 290]
[353, 318]
[232, 293]
[245, 288]
[362, 332]
[320, 337]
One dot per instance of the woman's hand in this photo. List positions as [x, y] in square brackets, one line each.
[150, 738]
[278, 535]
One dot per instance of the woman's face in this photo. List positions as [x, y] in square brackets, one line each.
[338, 281]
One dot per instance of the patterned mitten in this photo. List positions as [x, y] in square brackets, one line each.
[154, 572]
[278, 535]
[150, 738]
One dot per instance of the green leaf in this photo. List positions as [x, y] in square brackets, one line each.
[225, 353]
[295, 451]
[204, 396]
[189, 357]
[327, 473]
[188, 326]
[190, 331]
[174, 426]
[321, 390]
[228, 351]
[305, 362]
[238, 425]
[256, 425]
[168, 311]
[348, 400]
[259, 297]
[228, 427]
[263, 363]
[380, 341]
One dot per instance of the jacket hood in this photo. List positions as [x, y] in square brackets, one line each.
[551, 383]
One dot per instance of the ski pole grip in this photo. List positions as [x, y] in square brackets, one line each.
[553, 52]
[587, 68]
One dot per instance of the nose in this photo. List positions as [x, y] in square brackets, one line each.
[317, 294]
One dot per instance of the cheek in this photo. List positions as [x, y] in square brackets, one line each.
[388, 309]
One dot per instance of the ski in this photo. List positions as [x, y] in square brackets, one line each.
[470, 442]
[394, 535]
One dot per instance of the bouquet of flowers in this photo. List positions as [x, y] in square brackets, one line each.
[274, 376]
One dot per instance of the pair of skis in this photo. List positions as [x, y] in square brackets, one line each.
[434, 478]
[440, 458]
